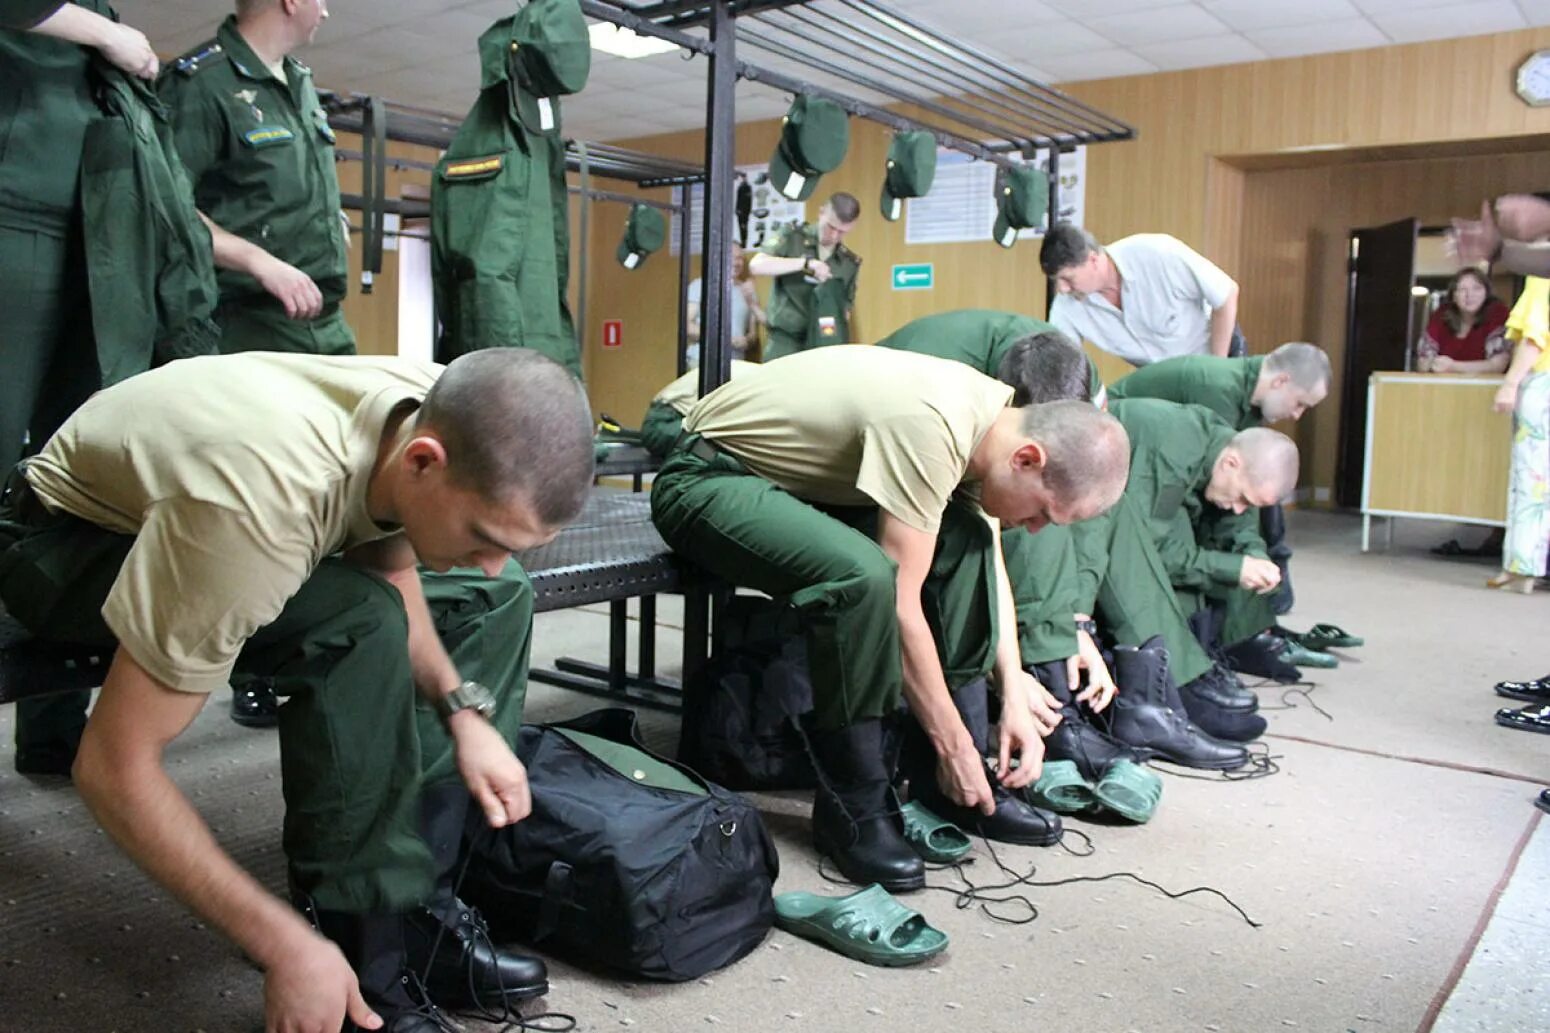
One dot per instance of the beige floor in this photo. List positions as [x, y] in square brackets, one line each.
[1369, 861]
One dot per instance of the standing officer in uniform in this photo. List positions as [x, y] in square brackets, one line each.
[815, 275]
[258, 146]
[50, 364]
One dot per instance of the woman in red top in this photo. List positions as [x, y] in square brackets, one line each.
[1464, 335]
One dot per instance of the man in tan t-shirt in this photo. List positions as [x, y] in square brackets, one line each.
[268, 513]
[856, 482]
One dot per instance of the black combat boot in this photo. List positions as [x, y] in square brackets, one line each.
[1148, 715]
[856, 819]
[464, 970]
[1076, 738]
[373, 944]
[1261, 656]
[1014, 820]
[1221, 688]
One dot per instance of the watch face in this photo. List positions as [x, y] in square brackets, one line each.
[1534, 79]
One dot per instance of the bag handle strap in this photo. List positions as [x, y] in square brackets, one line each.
[557, 891]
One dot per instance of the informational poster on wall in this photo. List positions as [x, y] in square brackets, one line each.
[760, 210]
[962, 203]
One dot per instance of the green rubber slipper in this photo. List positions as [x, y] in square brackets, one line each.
[936, 840]
[1300, 655]
[868, 925]
[1328, 636]
[1130, 791]
[1061, 788]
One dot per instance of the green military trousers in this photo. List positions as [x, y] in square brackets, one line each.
[1244, 613]
[750, 532]
[357, 743]
[262, 326]
[50, 367]
[660, 429]
[1134, 595]
[1042, 570]
[779, 343]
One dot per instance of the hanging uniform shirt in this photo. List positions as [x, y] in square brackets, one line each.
[1225, 386]
[261, 154]
[857, 426]
[803, 313]
[227, 532]
[1167, 291]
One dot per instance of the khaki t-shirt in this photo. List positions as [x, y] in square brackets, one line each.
[854, 425]
[682, 393]
[237, 474]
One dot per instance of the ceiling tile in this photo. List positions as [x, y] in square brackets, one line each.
[1352, 34]
[1023, 45]
[1470, 19]
[1095, 9]
[1535, 12]
[1244, 15]
[1156, 25]
[1201, 53]
[1096, 64]
[1382, 6]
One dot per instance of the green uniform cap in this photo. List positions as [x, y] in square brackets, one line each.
[911, 170]
[544, 52]
[1022, 197]
[814, 136]
[643, 234]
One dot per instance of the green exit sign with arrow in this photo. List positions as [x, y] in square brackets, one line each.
[920, 276]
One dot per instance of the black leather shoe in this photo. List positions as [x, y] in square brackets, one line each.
[1229, 725]
[1536, 690]
[1220, 686]
[468, 971]
[856, 819]
[1261, 657]
[254, 705]
[1076, 738]
[1543, 802]
[1149, 716]
[373, 943]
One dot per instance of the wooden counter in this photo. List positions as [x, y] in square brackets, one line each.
[1435, 449]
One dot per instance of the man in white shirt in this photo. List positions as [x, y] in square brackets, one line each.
[1142, 298]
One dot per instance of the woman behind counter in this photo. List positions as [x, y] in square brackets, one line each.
[1465, 334]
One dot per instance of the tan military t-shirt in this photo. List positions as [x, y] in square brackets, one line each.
[854, 425]
[682, 393]
[237, 474]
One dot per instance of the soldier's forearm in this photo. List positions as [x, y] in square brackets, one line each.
[770, 265]
[75, 24]
[234, 253]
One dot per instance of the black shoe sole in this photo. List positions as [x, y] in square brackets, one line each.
[1046, 840]
[891, 885]
[261, 721]
[458, 1002]
[1543, 801]
[1542, 729]
[1150, 754]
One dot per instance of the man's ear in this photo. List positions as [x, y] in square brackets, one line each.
[1029, 456]
[424, 453]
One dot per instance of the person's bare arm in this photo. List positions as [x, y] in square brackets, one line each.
[126, 47]
[770, 265]
[309, 987]
[1223, 320]
[1495, 364]
[290, 286]
[1028, 711]
[1523, 358]
[1481, 240]
[491, 771]
[692, 321]
[960, 769]
[1523, 216]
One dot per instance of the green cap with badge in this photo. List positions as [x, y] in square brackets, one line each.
[1022, 198]
[543, 51]
[644, 233]
[911, 170]
[814, 137]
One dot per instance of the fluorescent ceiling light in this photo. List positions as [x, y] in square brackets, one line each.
[611, 39]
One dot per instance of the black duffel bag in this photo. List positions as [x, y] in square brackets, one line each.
[628, 861]
[743, 710]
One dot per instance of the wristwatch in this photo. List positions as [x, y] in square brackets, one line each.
[807, 266]
[1091, 627]
[468, 696]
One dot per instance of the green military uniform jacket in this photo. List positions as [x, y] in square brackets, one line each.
[1225, 386]
[261, 155]
[45, 106]
[804, 314]
[149, 262]
[1172, 451]
[500, 227]
[976, 337]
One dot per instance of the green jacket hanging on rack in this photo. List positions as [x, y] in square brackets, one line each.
[500, 231]
[149, 261]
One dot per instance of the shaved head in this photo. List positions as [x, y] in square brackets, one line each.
[1087, 454]
[1270, 460]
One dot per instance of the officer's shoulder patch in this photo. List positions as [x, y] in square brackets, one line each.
[473, 168]
[203, 57]
[265, 135]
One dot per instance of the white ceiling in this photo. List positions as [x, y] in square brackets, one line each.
[423, 52]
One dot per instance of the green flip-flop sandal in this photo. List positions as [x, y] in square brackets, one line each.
[868, 925]
[1328, 636]
[935, 839]
[1061, 788]
[1130, 791]
[1300, 655]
